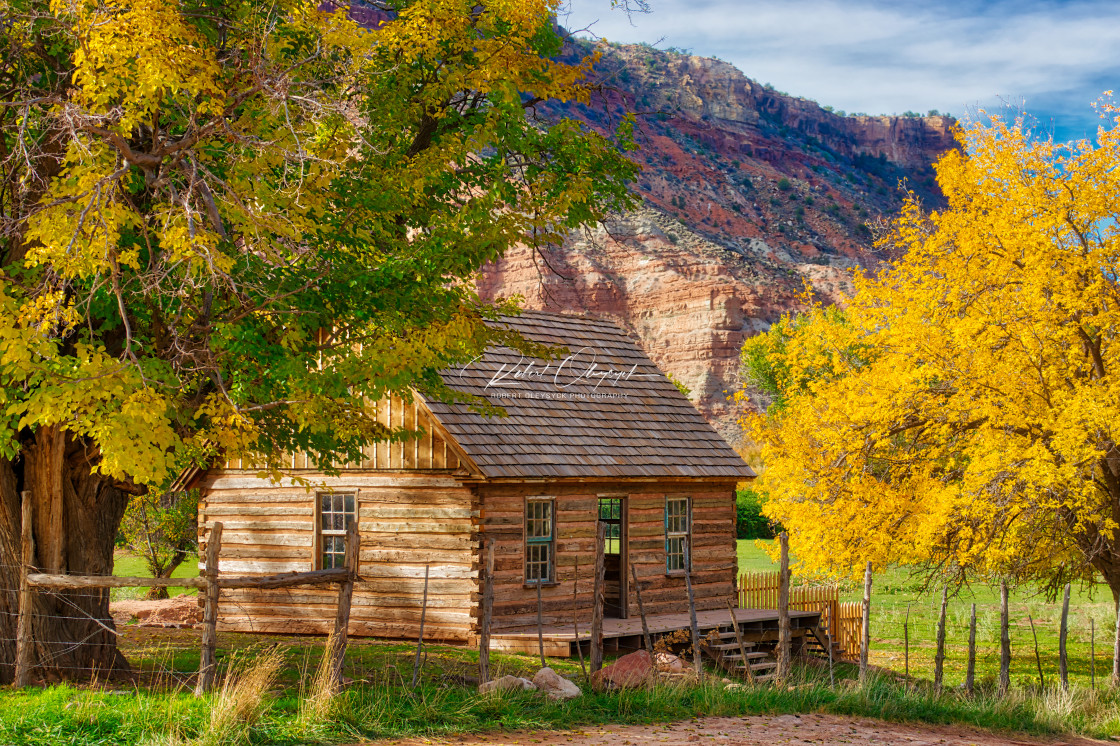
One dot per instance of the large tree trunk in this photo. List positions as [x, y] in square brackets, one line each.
[76, 517]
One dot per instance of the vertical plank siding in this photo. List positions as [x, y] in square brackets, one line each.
[714, 558]
[406, 521]
[429, 452]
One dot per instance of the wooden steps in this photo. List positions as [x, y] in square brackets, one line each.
[722, 647]
[816, 644]
[759, 665]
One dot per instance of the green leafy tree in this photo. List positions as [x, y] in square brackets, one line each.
[161, 527]
[227, 227]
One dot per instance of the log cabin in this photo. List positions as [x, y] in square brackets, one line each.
[597, 435]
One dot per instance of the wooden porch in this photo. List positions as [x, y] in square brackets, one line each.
[625, 635]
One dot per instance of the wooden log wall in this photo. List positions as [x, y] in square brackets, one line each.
[431, 451]
[406, 521]
[502, 512]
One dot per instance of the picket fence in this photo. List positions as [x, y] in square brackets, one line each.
[759, 590]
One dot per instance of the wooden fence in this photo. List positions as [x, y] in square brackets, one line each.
[759, 590]
[209, 585]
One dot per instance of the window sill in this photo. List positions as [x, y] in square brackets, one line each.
[549, 584]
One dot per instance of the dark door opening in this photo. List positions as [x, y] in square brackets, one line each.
[612, 514]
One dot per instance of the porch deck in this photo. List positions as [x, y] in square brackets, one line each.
[620, 635]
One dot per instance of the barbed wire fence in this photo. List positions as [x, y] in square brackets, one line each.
[62, 622]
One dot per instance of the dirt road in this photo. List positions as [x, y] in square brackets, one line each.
[788, 730]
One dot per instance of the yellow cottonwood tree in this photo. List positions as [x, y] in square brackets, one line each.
[228, 226]
[963, 411]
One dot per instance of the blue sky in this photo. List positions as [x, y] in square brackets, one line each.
[1050, 58]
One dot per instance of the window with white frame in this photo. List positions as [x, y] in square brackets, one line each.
[336, 512]
[540, 540]
[678, 523]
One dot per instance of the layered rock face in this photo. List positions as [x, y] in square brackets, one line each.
[749, 196]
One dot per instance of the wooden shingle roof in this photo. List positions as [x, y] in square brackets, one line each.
[602, 411]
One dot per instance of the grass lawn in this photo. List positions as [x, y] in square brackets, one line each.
[894, 591]
[133, 566]
[383, 704]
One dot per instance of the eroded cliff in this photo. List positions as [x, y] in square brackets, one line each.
[749, 196]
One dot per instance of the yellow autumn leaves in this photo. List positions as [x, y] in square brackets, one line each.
[964, 409]
[210, 186]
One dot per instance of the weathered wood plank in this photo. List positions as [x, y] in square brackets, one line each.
[47, 580]
[242, 480]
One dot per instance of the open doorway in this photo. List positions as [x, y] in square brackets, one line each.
[612, 514]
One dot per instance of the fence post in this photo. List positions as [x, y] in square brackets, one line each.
[695, 628]
[207, 663]
[831, 675]
[345, 596]
[1005, 641]
[1116, 650]
[1092, 655]
[540, 625]
[970, 675]
[487, 608]
[865, 632]
[906, 641]
[597, 597]
[1063, 632]
[739, 640]
[784, 632]
[939, 659]
[575, 616]
[641, 610]
[23, 622]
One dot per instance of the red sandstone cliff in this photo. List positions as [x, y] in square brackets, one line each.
[748, 195]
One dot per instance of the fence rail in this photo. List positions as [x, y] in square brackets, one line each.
[210, 584]
[759, 590]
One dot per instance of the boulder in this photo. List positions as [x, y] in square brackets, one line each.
[628, 672]
[507, 684]
[555, 685]
[669, 663]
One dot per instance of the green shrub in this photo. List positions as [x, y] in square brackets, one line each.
[749, 521]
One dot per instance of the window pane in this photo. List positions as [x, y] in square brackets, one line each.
[349, 501]
[676, 516]
[539, 519]
[538, 562]
[674, 553]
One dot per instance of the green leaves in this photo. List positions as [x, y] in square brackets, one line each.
[239, 224]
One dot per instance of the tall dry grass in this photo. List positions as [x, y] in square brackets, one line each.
[317, 697]
[240, 701]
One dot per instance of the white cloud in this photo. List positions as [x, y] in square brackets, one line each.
[881, 58]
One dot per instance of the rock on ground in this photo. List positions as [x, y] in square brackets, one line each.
[631, 670]
[669, 663]
[555, 685]
[507, 684]
[181, 611]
